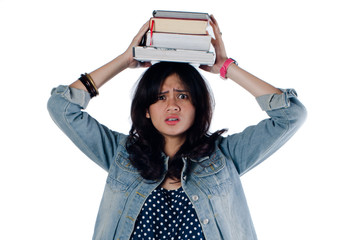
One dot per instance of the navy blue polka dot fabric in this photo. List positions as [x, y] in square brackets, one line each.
[167, 214]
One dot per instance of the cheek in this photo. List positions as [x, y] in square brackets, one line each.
[154, 113]
[151, 111]
[192, 114]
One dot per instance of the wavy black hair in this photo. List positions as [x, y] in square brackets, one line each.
[145, 144]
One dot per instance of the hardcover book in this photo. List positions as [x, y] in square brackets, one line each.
[148, 54]
[180, 41]
[179, 14]
[176, 25]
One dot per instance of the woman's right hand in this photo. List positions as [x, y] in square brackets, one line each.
[132, 63]
[103, 74]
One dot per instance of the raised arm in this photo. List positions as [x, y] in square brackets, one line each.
[256, 143]
[251, 83]
[117, 65]
[65, 106]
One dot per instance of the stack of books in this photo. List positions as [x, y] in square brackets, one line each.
[177, 37]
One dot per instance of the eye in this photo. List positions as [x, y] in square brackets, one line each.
[183, 96]
[161, 97]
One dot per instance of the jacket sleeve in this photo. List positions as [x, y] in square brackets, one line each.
[97, 141]
[256, 143]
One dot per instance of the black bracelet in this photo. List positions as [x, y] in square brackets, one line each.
[92, 83]
[88, 85]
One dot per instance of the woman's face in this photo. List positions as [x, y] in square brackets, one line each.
[173, 113]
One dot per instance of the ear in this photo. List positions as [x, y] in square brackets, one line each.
[147, 115]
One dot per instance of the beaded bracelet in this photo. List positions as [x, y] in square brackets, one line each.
[89, 84]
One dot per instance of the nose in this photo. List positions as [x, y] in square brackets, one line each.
[172, 105]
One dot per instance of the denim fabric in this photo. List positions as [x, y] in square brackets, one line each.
[212, 184]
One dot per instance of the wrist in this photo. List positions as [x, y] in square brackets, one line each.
[125, 60]
[231, 70]
[226, 65]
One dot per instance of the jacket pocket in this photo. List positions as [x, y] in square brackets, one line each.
[212, 174]
[122, 175]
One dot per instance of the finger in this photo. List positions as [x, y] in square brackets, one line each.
[214, 42]
[145, 27]
[218, 41]
[215, 27]
[145, 64]
[214, 20]
[206, 68]
[141, 32]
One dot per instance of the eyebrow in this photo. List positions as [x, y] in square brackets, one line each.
[175, 90]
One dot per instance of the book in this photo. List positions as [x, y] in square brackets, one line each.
[174, 25]
[180, 41]
[148, 54]
[179, 14]
[176, 37]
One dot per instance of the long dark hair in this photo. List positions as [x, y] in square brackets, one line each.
[145, 144]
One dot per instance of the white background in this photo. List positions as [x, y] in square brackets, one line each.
[50, 190]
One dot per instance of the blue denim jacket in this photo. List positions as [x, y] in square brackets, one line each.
[212, 184]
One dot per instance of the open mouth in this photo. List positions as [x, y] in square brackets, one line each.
[172, 120]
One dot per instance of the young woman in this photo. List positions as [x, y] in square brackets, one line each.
[170, 178]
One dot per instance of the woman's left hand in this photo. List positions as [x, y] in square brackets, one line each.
[221, 55]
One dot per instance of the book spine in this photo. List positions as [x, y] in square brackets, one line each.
[174, 55]
[182, 18]
[181, 41]
[183, 26]
[181, 14]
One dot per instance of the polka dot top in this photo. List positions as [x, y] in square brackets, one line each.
[167, 214]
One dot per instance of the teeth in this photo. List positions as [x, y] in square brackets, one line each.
[172, 119]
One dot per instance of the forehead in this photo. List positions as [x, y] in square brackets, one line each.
[171, 82]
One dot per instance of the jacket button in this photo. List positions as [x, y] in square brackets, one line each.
[195, 197]
[205, 221]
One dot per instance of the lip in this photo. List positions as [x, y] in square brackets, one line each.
[172, 120]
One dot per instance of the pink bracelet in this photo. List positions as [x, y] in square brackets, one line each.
[224, 68]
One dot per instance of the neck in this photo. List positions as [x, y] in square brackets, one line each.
[172, 146]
